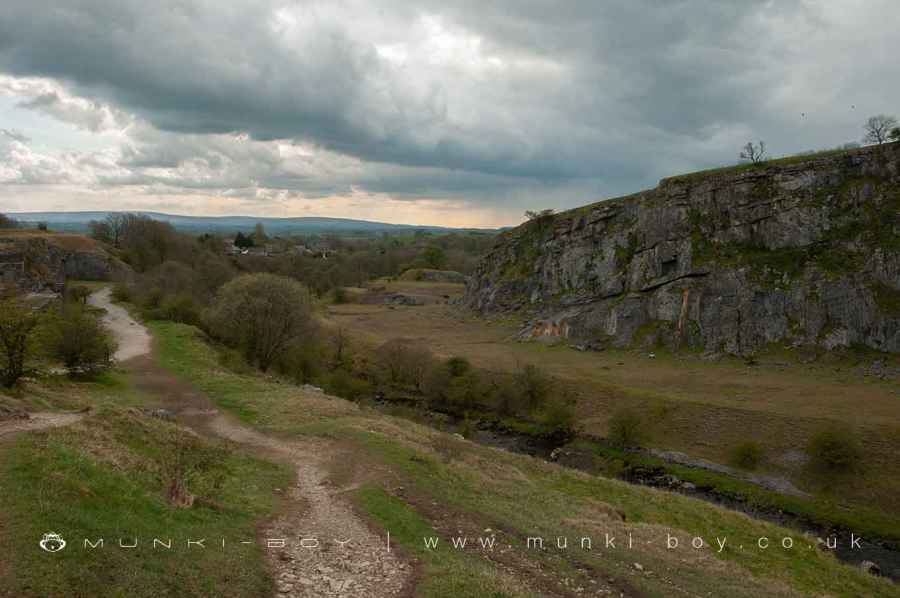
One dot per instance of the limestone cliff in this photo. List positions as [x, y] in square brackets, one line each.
[34, 261]
[802, 251]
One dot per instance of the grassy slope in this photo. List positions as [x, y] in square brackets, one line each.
[104, 477]
[518, 496]
[703, 409]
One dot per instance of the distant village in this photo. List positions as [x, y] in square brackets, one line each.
[242, 244]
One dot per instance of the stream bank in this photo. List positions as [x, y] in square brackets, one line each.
[644, 467]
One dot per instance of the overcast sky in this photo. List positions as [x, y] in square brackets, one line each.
[454, 112]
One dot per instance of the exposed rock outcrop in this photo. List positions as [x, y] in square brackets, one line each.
[33, 262]
[801, 251]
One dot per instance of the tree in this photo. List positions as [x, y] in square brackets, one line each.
[878, 128]
[894, 135]
[78, 339]
[111, 229]
[100, 230]
[17, 322]
[434, 257]
[7, 222]
[753, 152]
[626, 429]
[539, 215]
[261, 314]
[243, 241]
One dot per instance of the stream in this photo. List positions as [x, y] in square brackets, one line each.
[885, 557]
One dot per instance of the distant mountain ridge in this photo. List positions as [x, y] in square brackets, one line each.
[78, 222]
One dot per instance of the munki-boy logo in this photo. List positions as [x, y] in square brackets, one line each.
[52, 542]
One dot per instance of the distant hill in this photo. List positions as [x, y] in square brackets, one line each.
[78, 222]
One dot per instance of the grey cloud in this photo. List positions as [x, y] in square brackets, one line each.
[596, 97]
[14, 135]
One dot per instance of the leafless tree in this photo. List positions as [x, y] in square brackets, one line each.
[878, 128]
[753, 152]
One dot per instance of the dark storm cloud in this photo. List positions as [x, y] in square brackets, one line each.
[438, 97]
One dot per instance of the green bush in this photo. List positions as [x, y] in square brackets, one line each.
[122, 292]
[835, 449]
[559, 417]
[344, 384]
[458, 366]
[77, 338]
[535, 385]
[747, 455]
[262, 315]
[626, 429]
[339, 296]
[303, 361]
[17, 323]
[180, 308]
[77, 294]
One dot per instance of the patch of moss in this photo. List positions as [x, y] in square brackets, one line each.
[886, 298]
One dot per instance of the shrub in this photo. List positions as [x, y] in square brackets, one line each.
[180, 308]
[405, 362]
[559, 418]
[626, 429]
[466, 428]
[747, 455]
[339, 296]
[17, 323]
[458, 366]
[535, 385]
[78, 293]
[344, 384]
[122, 292]
[261, 314]
[302, 361]
[834, 450]
[466, 391]
[506, 397]
[77, 338]
[436, 386]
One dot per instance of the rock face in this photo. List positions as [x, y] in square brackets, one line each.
[800, 252]
[34, 262]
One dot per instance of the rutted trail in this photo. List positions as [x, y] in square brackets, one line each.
[328, 550]
[37, 421]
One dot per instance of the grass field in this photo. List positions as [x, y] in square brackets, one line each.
[104, 477]
[698, 407]
[417, 480]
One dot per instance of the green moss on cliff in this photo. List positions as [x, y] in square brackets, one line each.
[887, 298]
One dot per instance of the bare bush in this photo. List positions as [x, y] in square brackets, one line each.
[878, 128]
[753, 152]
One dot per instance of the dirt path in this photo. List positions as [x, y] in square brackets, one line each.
[328, 550]
[133, 339]
[37, 421]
